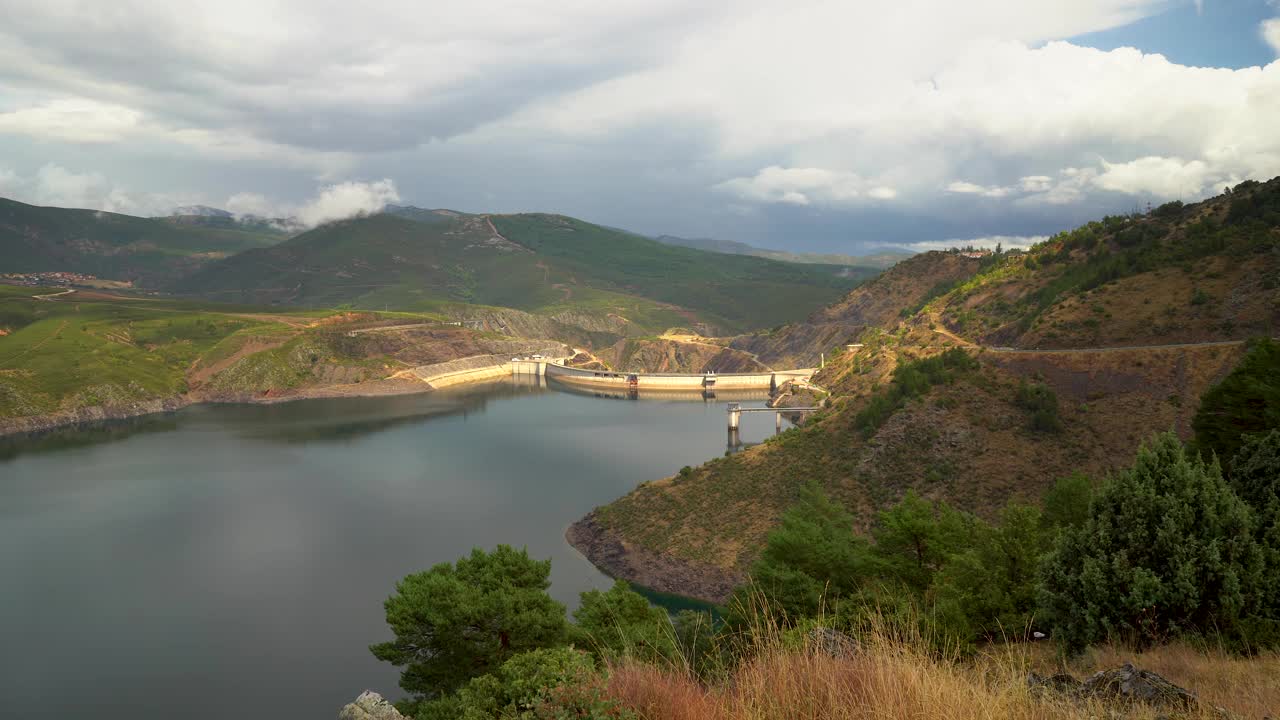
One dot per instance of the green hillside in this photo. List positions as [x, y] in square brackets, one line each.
[547, 264]
[114, 246]
[882, 258]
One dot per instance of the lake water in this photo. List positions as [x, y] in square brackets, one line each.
[231, 561]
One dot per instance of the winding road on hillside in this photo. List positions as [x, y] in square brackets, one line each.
[1113, 348]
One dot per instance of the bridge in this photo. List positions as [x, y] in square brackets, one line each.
[735, 411]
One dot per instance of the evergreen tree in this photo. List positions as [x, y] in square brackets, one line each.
[1066, 505]
[811, 561]
[989, 590]
[458, 621]
[1246, 402]
[1255, 475]
[622, 622]
[1168, 548]
[916, 537]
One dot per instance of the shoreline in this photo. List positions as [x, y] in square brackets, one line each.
[38, 424]
[639, 566]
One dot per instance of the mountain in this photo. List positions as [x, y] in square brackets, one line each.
[1063, 358]
[409, 212]
[553, 265]
[883, 258]
[114, 246]
[200, 211]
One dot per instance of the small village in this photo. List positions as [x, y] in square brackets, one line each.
[58, 279]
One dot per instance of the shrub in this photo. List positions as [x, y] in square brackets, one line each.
[911, 380]
[1066, 505]
[1246, 402]
[1255, 475]
[547, 684]
[813, 558]
[621, 622]
[1040, 401]
[989, 591]
[1167, 549]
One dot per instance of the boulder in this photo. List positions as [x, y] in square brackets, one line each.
[370, 706]
[1056, 684]
[1124, 685]
[832, 642]
[1128, 683]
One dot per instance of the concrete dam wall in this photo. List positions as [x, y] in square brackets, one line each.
[687, 382]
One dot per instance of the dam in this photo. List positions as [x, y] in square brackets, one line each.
[589, 379]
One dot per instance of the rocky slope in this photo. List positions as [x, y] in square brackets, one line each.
[878, 303]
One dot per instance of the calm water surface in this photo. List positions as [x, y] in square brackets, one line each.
[231, 561]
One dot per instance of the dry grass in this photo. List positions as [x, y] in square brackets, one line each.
[892, 678]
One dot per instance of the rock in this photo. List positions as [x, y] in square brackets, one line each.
[1122, 686]
[832, 642]
[1057, 683]
[1130, 684]
[370, 706]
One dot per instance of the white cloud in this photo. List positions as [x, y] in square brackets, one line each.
[805, 186]
[55, 185]
[345, 200]
[1007, 242]
[802, 103]
[968, 188]
[72, 119]
[1270, 30]
[9, 183]
[1163, 177]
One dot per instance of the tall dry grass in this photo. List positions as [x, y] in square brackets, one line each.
[892, 676]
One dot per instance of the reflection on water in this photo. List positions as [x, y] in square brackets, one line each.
[65, 438]
[240, 554]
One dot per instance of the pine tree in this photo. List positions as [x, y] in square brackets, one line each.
[458, 621]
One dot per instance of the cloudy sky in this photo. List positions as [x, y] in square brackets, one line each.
[832, 126]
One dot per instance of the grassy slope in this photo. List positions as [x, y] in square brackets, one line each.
[741, 291]
[550, 265]
[891, 678]
[61, 355]
[971, 442]
[114, 246]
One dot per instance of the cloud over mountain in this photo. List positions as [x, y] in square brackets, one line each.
[708, 114]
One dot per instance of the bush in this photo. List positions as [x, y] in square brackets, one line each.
[621, 623]
[548, 684]
[1255, 475]
[989, 591]
[1066, 505]
[1168, 549]
[1040, 401]
[1246, 402]
[811, 560]
[911, 380]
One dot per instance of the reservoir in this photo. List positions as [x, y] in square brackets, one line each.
[230, 561]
